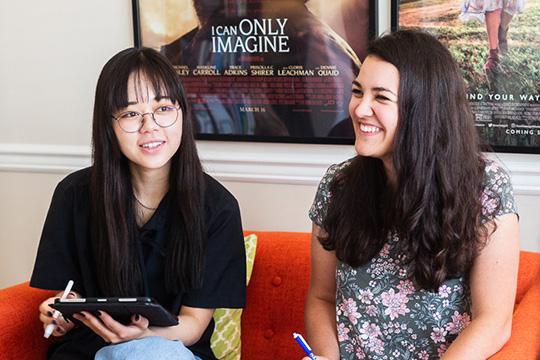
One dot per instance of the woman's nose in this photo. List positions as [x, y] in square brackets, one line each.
[148, 123]
[362, 107]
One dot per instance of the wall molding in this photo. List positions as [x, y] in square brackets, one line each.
[40, 158]
[292, 164]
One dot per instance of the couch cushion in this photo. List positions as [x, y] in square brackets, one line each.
[225, 341]
[275, 297]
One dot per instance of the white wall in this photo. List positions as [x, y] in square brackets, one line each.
[51, 55]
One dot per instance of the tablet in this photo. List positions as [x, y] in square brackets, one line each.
[121, 309]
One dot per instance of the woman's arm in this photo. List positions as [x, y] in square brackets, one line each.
[493, 292]
[320, 310]
[191, 325]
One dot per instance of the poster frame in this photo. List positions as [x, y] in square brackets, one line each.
[394, 26]
[372, 32]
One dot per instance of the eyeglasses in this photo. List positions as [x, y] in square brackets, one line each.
[133, 121]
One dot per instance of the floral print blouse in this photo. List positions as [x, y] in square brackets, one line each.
[379, 312]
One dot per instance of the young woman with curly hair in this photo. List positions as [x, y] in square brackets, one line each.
[415, 240]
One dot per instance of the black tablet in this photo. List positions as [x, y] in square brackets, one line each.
[121, 309]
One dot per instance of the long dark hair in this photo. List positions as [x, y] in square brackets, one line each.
[435, 208]
[114, 228]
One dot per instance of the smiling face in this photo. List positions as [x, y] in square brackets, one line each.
[374, 108]
[152, 147]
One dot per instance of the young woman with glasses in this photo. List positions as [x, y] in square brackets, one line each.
[143, 220]
[415, 240]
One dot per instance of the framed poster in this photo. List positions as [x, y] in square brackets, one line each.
[263, 70]
[497, 46]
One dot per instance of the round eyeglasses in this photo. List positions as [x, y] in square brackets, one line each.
[133, 121]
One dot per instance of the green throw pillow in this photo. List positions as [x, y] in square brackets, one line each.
[225, 341]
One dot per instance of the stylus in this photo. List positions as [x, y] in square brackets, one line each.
[50, 328]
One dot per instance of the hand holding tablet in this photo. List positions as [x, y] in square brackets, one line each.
[121, 309]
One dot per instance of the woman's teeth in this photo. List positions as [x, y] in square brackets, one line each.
[152, 145]
[369, 128]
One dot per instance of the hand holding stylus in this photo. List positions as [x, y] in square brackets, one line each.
[46, 314]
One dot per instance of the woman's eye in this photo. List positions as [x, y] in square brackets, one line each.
[382, 98]
[129, 114]
[357, 92]
[165, 108]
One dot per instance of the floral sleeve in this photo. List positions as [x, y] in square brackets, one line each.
[322, 198]
[498, 195]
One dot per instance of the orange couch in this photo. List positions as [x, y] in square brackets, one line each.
[275, 302]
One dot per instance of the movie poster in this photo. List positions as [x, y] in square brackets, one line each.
[263, 69]
[497, 45]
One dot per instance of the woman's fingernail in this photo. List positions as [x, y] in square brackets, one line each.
[71, 295]
[82, 314]
[99, 313]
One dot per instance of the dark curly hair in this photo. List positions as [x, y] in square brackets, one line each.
[435, 207]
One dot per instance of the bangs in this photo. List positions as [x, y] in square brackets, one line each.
[147, 72]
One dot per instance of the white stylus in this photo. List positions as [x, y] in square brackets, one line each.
[50, 328]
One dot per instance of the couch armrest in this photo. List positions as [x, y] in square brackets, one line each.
[21, 333]
[524, 341]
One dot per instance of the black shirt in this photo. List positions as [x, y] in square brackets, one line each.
[65, 253]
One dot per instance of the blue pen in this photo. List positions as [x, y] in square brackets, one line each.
[300, 340]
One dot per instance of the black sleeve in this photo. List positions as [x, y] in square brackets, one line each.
[224, 283]
[56, 261]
